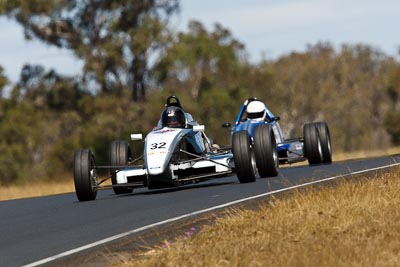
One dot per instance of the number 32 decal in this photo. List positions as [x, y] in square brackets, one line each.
[158, 145]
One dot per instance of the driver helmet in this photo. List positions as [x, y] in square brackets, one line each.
[173, 117]
[256, 110]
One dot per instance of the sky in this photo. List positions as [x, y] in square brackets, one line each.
[269, 29]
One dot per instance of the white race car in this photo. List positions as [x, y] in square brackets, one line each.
[176, 152]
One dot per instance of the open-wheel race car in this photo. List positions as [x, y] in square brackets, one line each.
[176, 152]
[258, 143]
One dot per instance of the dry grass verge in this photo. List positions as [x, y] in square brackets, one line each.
[353, 224]
[339, 156]
[36, 189]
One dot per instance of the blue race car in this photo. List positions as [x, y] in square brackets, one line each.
[259, 144]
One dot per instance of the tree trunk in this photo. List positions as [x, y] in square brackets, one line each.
[138, 73]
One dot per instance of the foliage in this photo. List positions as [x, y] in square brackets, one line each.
[25, 136]
[114, 38]
[47, 89]
[48, 116]
[199, 61]
[392, 122]
[3, 80]
[345, 88]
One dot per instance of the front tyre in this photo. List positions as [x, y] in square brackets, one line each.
[325, 139]
[85, 177]
[266, 151]
[243, 155]
[312, 144]
[120, 154]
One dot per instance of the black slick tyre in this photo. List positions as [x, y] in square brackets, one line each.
[120, 154]
[243, 154]
[266, 151]
[312, 144]
[85, 178]
[325, 139]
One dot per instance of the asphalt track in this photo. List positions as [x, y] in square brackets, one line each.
[36, 231]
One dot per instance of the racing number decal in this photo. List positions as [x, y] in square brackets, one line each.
[158, 145]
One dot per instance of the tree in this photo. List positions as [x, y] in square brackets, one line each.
[3, 81]
[47, 89]
[114, 38]
[200, 60]
[392, 117]
[346, 88]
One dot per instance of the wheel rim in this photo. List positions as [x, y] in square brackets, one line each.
[320, 150]
[93, 178]
[275, 158]
[275, 153]
[329, 146]
[253, 159]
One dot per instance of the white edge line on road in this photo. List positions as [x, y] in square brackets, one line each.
[115, 237]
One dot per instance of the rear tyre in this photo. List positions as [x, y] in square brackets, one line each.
[325, 139]
[120, 154]
[265, 151]
[85, 177]
[243, 154]
[312, 144]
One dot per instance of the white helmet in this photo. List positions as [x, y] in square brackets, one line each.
[256, 110]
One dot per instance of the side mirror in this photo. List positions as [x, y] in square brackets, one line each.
[198, 128]
[226, 125]
[136, 137]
